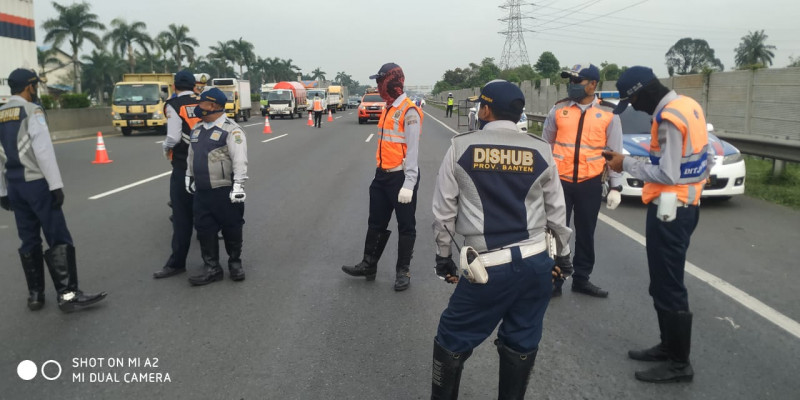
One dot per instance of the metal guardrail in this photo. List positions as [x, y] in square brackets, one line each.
[764, 146]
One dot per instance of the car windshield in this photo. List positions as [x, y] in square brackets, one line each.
[136, 94]
[635, 121]
[312, 93]
[372, 98]
[279, 96]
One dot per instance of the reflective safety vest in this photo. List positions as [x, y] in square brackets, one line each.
[688, 116]
[580, 139]
[317, 105]
[392, 138]
[184, 106]
[449, 101]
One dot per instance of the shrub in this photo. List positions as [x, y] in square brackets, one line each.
[255, 97]
[74, 100]
[47, 101]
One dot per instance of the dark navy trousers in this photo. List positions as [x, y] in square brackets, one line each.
[33, 210]
[667, 243]
[583, 198]
[182, 205]
[516, 296]
[383, 200]
[213, 211]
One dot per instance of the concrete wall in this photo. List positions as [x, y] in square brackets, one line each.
[79, 122]
[761, 103]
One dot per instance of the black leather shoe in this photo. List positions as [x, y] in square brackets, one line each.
[35, 301]
[402, 281]
[589, 288]
[656, 353]
[210, 275]
[236, 272]
[73, 301]
[166, 272]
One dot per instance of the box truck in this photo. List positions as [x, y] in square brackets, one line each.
[238, 94]
[17, 41]
[137, 102]
[287, 98]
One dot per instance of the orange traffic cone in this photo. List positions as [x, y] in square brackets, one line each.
[310, 122]
[330, 116]
[267, 128]
[101, 155]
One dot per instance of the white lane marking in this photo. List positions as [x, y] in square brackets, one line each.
[276, 137]
[750, 302]
[92, 137]
[369, 137]
[126, 187]
[245, 126]
[337, 117]
[443, 124]
[159, 142]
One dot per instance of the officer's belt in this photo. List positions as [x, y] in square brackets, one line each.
[397, 168]
[680, 203]
[503, 256]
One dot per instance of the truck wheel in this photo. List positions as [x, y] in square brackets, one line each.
[126, 131]
[245, 117]
[291, 116]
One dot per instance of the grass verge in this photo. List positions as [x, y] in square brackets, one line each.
[760, 183]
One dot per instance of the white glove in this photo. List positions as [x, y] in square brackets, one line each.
[237, 193]
[190, 188]
[613, 199]
[405, 196]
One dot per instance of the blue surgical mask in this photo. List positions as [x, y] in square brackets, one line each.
[576, 91]
[482, 123]
[204, 113]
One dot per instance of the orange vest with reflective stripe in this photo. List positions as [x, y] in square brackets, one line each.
[392, 138]
[688, 116]
[317, 105]
[580, 139]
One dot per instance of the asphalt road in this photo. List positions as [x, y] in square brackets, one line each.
[299, 328]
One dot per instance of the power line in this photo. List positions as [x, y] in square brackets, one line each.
[515, 53]
[594, 18]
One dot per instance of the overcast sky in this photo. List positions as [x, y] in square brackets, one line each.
[428, 37]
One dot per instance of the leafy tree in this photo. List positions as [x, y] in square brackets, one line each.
[522, 73]
[75, 24]
[220, 55]
[318, 74]
[242, 50]
[753, 52]
[609, 72]
[691, 56]
[181, 44]
[547, 65]
[101, 70]
[45, 57]
[794, 62]
[123, 36]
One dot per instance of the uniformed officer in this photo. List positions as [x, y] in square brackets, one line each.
[680, 160]
[396, 181]
[318, 106]
[579, 128]
[200, 83]
[449, 111]
[217, 170]
[180, 122]
[500, 190]
[31, 187]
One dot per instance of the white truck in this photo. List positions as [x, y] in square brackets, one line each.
[17, 41]
[238, 94]
[265, 89]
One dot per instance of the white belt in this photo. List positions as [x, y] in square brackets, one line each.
[397, 168]
[680, 203]
[503, 256]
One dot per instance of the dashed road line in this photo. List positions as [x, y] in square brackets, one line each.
[126, 187]
[369, 137]
[276, 137]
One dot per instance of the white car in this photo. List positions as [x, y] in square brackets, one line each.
[726, 177]
[472, 119]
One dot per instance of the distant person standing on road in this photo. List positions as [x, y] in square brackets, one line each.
[579, 128]
[318, 107]
[680, 161]
[217, 170]
[449, 111]
[396, 181]
[500, 190]
[181, 119]
[31, 187]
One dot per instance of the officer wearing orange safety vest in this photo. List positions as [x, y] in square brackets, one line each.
[579, 128]
[680, 159]
[396, 181]
[318, 107]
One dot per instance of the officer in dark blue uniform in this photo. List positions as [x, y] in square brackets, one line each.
[180, 122]
[217, 170]
[500, 189]
[31, 187]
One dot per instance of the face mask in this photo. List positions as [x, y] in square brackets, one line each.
[645, 102]
[482, 123]
[34, 96]
[390, 87]
[205, 113]
[576, 91]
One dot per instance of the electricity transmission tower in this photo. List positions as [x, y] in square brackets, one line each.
[515, 53]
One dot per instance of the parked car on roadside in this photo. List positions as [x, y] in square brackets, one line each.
[726, 177]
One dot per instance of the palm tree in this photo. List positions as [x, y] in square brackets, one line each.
[244, 53]
[163, 44]
[45, 57]
[74, 24]
[124, 36]
[220, 55]
[753, 51]
[182, 43]
[102, 69]
[318, 74]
